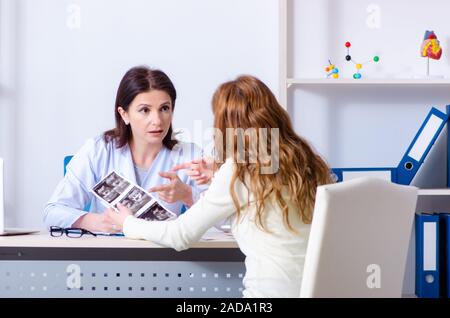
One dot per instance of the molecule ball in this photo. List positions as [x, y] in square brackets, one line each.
[348, 57]
[347, 44]
[376, 59]
[357, 76]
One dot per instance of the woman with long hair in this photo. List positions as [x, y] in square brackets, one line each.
[265, 179]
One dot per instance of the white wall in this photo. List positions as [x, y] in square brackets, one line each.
[59, 79]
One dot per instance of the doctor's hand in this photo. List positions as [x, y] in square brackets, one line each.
[200, 170]
[96, 222]
[117, 218]
[175, 190]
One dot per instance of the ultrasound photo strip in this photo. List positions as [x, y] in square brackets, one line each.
[114, 189]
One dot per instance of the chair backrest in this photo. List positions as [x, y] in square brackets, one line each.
[359, 239]
[66, 162]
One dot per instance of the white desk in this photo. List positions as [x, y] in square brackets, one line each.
[39, 265]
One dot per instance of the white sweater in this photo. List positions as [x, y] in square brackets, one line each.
[274, 261]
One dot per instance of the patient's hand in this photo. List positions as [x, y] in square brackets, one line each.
[200, 170]
[175, 190]
[117, 218]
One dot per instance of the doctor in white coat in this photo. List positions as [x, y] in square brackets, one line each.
[140, 147]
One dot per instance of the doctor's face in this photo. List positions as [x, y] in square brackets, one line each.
[150, 116]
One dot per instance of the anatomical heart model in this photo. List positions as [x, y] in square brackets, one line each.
[431, 48]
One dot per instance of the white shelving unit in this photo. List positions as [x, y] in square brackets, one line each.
[372, 81]
[285, 82]
[282, 57]
[434, 191]
[429, 199]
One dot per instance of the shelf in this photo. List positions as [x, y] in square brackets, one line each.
[368, 81]
[445, 191]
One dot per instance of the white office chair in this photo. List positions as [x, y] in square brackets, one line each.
[359, 239]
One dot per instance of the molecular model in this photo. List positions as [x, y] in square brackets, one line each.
[333, 71]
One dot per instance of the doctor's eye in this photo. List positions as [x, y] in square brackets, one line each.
[165, 108]
[144, 110]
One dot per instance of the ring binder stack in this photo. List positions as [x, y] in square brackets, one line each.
[427, 255]
[421, 145]
[413, 158]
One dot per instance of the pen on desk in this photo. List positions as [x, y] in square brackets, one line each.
[116, 234]
[109, 234]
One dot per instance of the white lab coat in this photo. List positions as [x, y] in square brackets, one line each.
[94, 161]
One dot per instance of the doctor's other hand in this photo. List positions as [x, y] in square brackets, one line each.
[175, 190]
[96, 222]
[200, 170]
[117, 218]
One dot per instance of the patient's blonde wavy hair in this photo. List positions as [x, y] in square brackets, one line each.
[247, 103]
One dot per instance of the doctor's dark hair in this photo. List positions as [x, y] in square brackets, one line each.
[139, 79]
